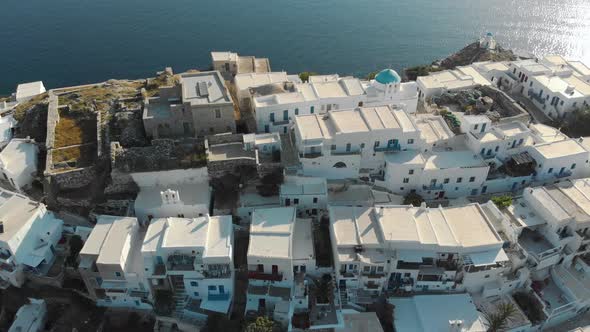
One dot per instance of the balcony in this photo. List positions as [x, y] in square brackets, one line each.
[217, 274]
[389, 148]
[536, 97]
[373, 275]
[280, 123]
[181, 263]
[255, 275]
[344, 153]
[160, 269]
[348, 274]
[218, 297]
[562, 175]
[371, 285]
[432, 186]
[310, 155]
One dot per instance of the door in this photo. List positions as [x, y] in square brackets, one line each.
[275, 269]
[441, 195]
[221, 289]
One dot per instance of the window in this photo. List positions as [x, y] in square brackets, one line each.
[348, 147]
[333, 147]
[445, 181]
[379, 268]
[406, 180]
[196, 294]
[217, 113]
[311, 110]
[411, 172]
[212, 287]
[531, 84]
[475, 127]
[472, 179]
[473, 192]
[296, 201]
[366, 269]
[272, 117]
[118, 274]
[376, 144]
[296, 111]
[362, 145]
[285, 115]
[550, 170]
[497, 148]
[459, 180]
[194, 284]
[520, 141]
[410, 141]
[573, 166]
[315, 200]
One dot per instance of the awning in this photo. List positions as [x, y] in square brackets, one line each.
[411, 256]
[217, 306]
[488, 257]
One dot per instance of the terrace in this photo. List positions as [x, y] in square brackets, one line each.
[537, 245]
[256, 275]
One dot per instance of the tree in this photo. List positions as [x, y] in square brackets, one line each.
[499, 319]
[503, 201]
[261, 324]
[371, 75]
[304, 76]
[413, 199]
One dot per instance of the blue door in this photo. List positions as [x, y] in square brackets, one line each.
[266, 129]
[221, 289]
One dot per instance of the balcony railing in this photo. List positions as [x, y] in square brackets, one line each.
[388, 148]
[160, 269]
[371, 286]
[218, 297]
[265, 276]
[373, 275]
[536, 96]
[280, 123]
[433, 186]
[348, 274]
[563, 174]
[217, 273]
[344, 153]
[311, 155]
[180, 263]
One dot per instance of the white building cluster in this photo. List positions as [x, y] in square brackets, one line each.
[335, 236]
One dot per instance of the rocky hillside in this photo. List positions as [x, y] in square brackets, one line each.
[468, 55]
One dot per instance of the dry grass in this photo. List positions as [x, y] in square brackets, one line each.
[21, 109]
[82, 155]
[154, 84]
[72, 130]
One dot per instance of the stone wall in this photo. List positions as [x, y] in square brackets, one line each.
[121, 183]
[224, 138]
[74, 179]
[513, 111]
[220, 168]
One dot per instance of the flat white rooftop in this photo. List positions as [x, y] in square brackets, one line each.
[204, 88]
[560, 149]
[452, 159]
[18, 155]
[465, 228]
[219, 237]
[16, 210]
[115, 246]
[299, 185]
[432, 313]
[248, 80]
[303, 240]
[354, 226]
[271, 232]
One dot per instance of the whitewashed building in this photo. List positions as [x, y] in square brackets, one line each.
[435, 175]
[26, 91]
[175, 193]
[278, 105]
[18, 163]
[28, 237]
[556, 86]
[307, 194]
[31, 317]
[7, 124]
[560, 160]
[275, 255]
[349, 143]
[111, 264]
[245, 82]
[461, 78]
[405, 248]
[193, 259]
[230, 64]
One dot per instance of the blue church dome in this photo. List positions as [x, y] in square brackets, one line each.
[387, 76]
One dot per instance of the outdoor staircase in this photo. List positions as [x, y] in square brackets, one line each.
[179, 297]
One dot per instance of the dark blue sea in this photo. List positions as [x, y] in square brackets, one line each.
[67, 42]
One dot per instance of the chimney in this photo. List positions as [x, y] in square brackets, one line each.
[1, 227]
